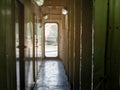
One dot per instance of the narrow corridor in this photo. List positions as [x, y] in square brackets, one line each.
[81, 39]
[52, 76]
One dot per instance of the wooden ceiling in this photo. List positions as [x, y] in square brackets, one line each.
[52, 4]
[52, 8]
[55, 3]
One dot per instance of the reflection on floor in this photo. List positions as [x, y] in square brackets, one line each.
[52, 76]
[28, 73]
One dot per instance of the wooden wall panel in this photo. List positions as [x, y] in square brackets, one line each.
[3, 66]
[7, 45]
[87, 17]
[55, 3]
[78, 11]
[71, 22]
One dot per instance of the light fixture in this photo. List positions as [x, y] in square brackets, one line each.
[45, 16]
[39, 2]
[64, 11]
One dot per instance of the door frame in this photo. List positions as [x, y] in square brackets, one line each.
[21, 43]
[43, 39]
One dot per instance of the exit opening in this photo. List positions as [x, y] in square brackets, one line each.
[51, 40]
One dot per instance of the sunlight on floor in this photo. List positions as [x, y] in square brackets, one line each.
[52, 76]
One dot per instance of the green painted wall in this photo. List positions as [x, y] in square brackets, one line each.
[100, 12]
[112, 40]
[113, 50]
[7, 48]
[3, 75]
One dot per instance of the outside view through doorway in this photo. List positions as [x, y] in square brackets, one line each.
[51, 39]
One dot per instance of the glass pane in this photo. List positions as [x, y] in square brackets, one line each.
[51, 39]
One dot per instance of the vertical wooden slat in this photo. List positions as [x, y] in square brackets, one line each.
[10, 44]
[33, 47]
[21, 45]
[71, 38]
[77, 23]
[7, 46]
[69, 69]
[87, 7]
[3, 67]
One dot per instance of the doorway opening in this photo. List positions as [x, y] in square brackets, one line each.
[51, 39]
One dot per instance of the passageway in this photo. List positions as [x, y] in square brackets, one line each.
[52, 76]
[60, 45]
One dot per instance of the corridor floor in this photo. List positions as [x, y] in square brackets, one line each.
[52, 76]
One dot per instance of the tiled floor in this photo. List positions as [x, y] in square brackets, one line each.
[52, 76]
